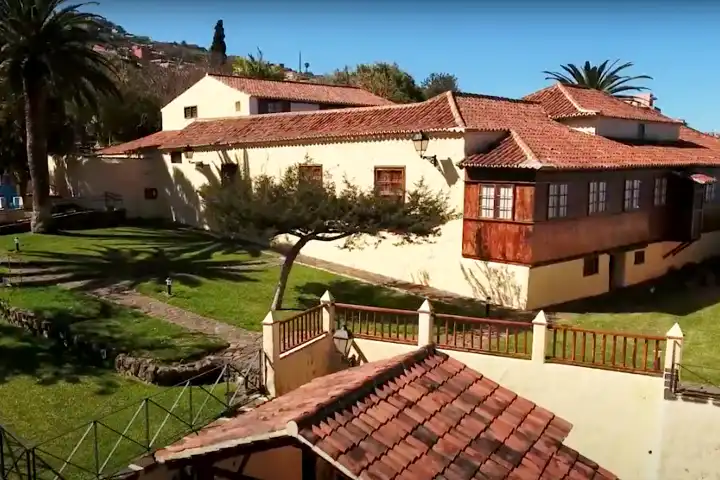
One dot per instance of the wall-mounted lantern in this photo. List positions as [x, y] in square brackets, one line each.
[189, 154]
[420, 142]
[342, 338]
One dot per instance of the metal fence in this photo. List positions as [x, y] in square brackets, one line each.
[99, 449]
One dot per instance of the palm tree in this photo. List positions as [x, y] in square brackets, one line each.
[46, 49]
[257, 67]
[603, 77]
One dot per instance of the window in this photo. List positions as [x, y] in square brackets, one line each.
[175, 157]
[228, 172]
[151, 194]
[275, 107]
[597, 197]
[709, 192]
[311, 172]
[591, 266]
[191, 112]
[632, 195]
[557, 200]
[641, 131]
[390, 182]
[238, 106]
[639, 257]
[497, 201]
[660, 196]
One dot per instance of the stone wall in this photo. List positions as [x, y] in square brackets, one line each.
[143, 368]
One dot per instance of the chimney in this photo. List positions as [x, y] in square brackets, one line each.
[646, 100]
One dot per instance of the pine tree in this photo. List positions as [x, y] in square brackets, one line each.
[218, 49]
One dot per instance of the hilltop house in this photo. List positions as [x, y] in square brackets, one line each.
[566, 193]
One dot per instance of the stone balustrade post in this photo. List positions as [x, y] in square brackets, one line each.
[271, 350]
[425, 324]
[673, 347]
[539, 340]
[328, 315]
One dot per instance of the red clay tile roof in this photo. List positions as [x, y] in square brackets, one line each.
[303, 91]
[436, 114]
[566, 101]
[508, 152]
[543, 141]
[422, 416]
[153, 140]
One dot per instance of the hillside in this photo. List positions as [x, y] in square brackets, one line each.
[142, 49]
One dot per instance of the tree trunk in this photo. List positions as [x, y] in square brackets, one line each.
[36, 144]
[285, 272]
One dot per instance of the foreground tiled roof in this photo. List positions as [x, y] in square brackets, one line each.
[566, 101]
[417, 416]
[154, 140]
[303, 91]
[435, 114]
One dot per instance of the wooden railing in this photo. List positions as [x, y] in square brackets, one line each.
[481, 335]
[301, 328]
[374, 323]
[611, 350]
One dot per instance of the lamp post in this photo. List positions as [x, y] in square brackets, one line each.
[420, 142]
[342, 338]
[168, 284]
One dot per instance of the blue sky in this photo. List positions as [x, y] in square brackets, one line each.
[492, 49]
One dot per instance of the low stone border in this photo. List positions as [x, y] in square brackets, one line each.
[145, 369]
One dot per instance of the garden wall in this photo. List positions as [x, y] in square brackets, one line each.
[145, 369]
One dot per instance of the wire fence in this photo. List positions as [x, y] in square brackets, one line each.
[100, 448]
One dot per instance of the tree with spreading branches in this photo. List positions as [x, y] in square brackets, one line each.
[316, 209]
[437, 83]
[606, 77]
[46, 47]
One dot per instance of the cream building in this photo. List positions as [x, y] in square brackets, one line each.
[222, 124]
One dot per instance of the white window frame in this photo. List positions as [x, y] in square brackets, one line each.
[557, 200]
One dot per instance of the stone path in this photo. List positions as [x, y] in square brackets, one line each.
[244, 345]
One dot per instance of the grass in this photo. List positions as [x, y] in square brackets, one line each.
[229, 282]
[639, 309]
[127, 330]
[46, 392]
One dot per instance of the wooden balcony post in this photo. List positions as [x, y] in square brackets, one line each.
[328, 313]
[271, 350]
[539, 340]
[673, 347]
[425, 324]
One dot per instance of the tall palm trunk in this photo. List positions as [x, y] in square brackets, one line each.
[36, 144]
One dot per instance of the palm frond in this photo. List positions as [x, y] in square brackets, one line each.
[607, 76]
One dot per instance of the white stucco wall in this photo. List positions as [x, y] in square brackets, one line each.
[212, 98]
[620, 128]
[691, 441]
[438, 264]
[127, 177]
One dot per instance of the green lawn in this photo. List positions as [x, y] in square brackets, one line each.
[226, 281]
[127, 330]
[46, 392]
[638, 310]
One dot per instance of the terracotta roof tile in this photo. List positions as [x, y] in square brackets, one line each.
[565, 101]
[530, 139]
[302, 91]
[470, 428]
[435, 114]
[153, 140]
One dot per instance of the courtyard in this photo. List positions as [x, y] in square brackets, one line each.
[230, 284]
